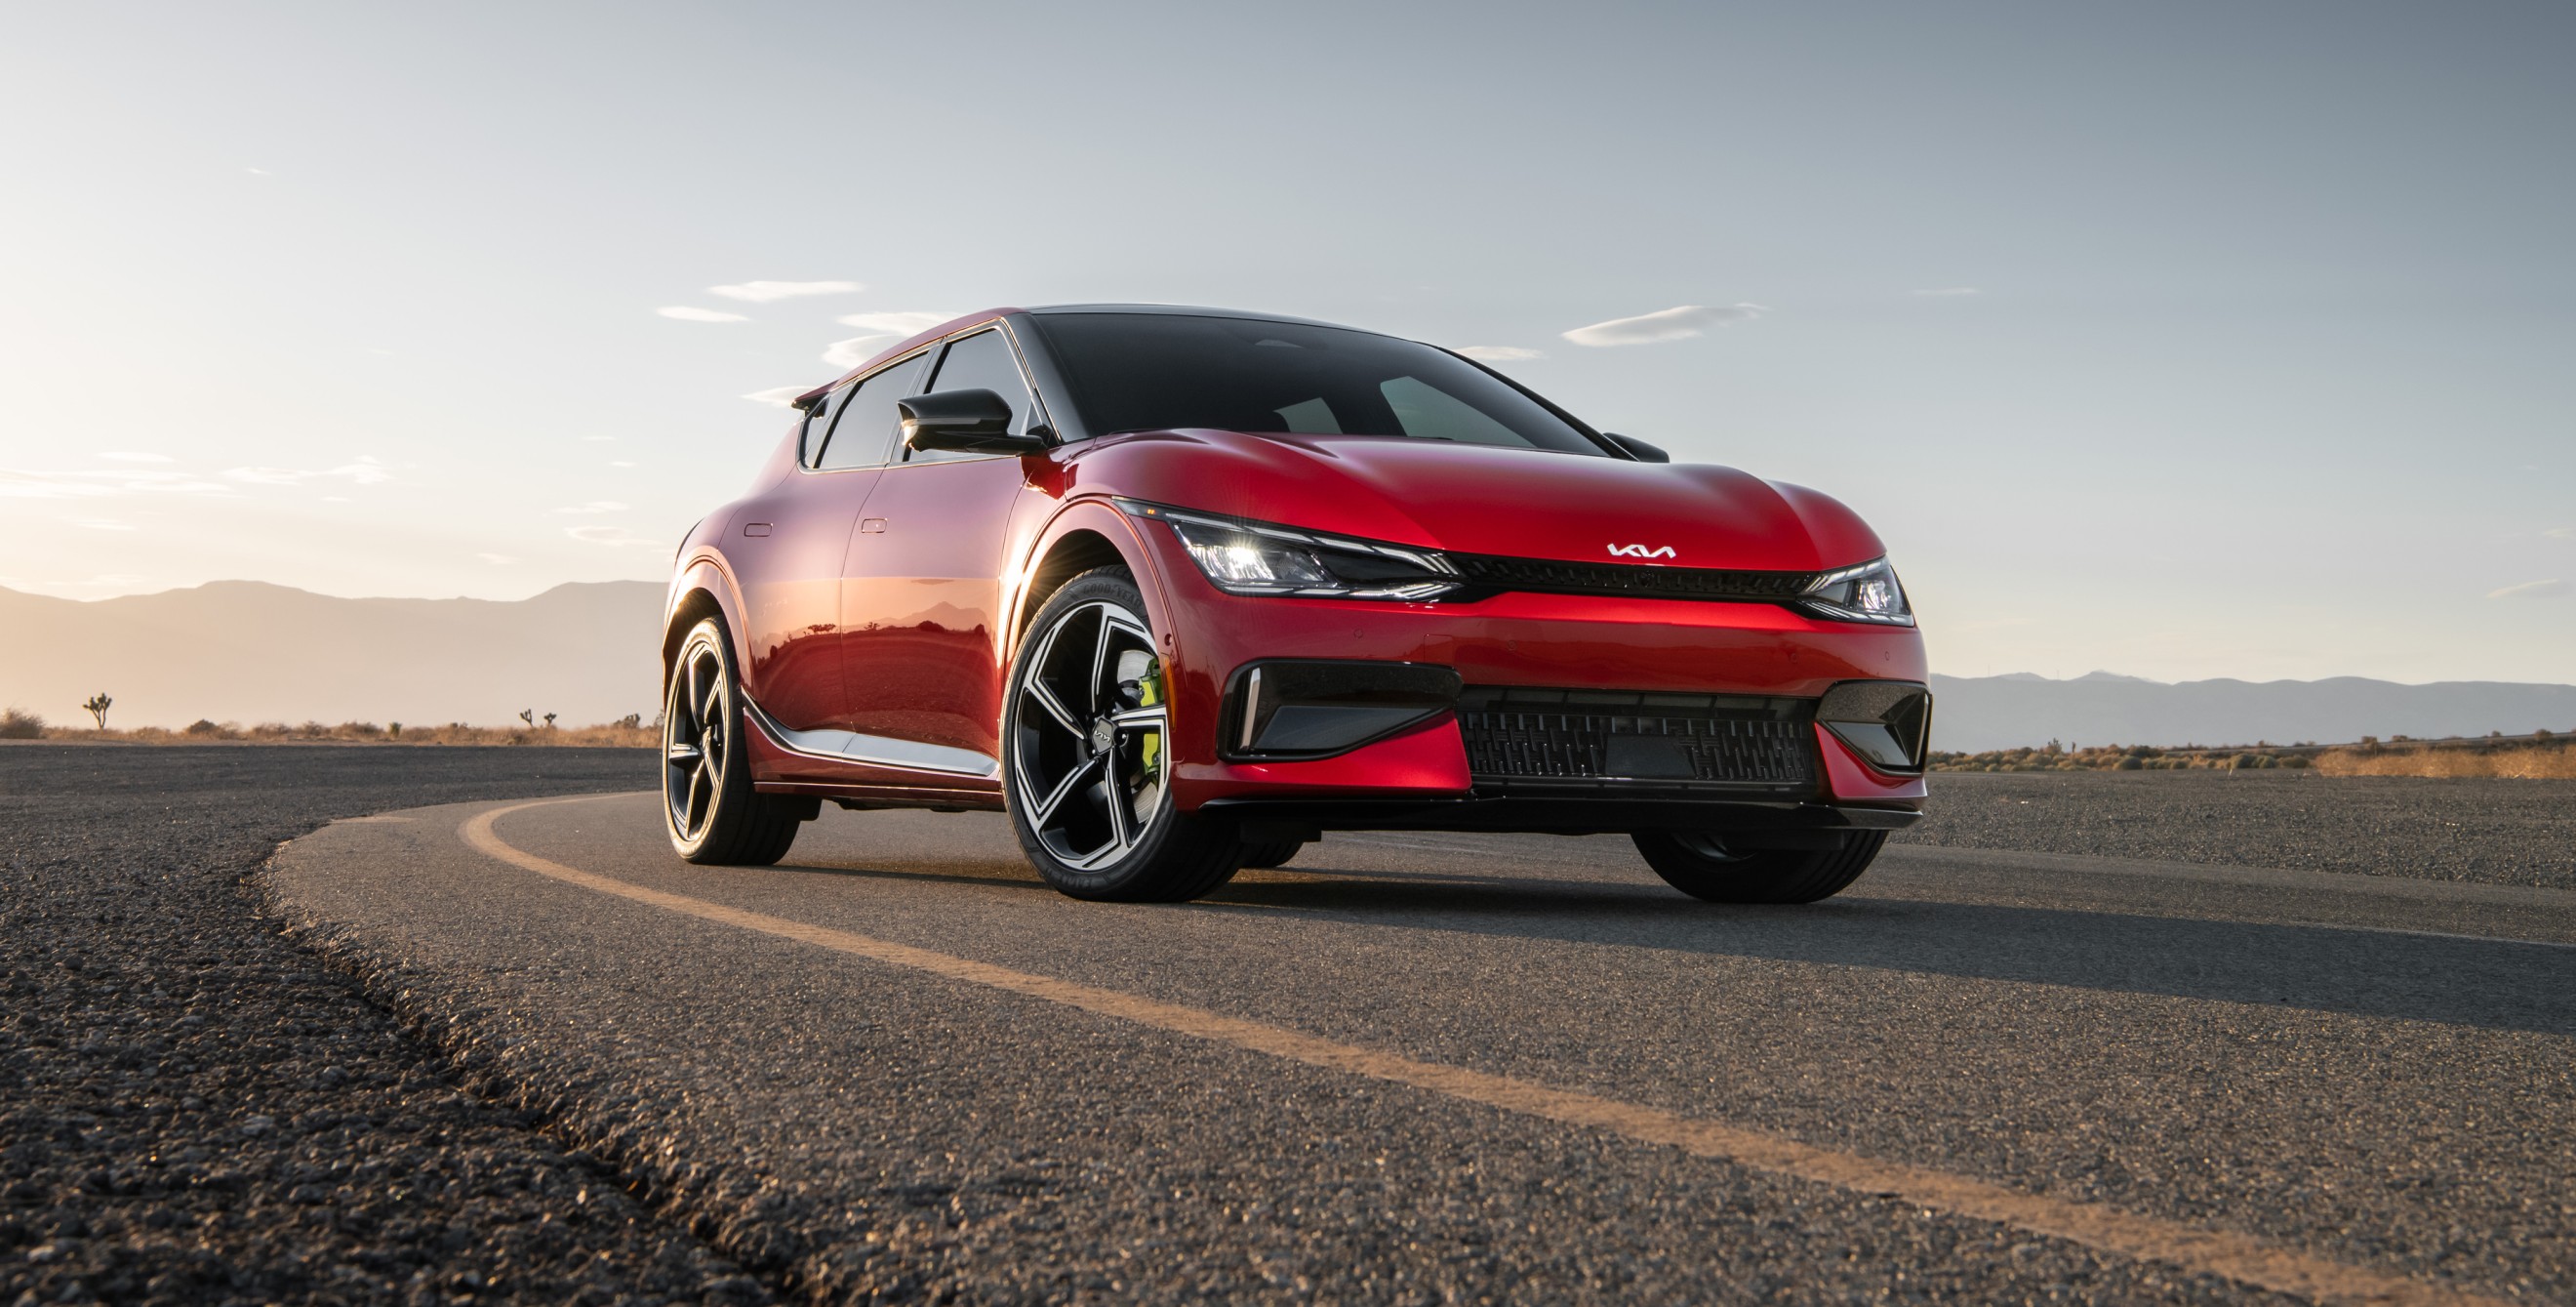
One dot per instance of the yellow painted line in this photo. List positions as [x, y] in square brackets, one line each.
[2193, 1249]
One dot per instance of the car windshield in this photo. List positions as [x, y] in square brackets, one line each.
[1145, 372]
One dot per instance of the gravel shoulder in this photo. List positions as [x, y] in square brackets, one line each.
[2494, 832]
[195, 1109]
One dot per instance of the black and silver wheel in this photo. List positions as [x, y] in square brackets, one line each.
[708, 806]
[1086, 757]
[1705, 865]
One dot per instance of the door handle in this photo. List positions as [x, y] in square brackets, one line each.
[755, 528]
[872, 524]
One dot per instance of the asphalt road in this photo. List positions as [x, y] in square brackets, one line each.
[1429, 1068]
[196, 1111]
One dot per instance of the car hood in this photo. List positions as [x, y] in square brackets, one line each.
[1484, 500]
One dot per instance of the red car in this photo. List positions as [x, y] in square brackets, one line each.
[1181, 589]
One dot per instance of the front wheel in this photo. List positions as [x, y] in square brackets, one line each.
[1086, 762]
[708, 806]
[1704, 866]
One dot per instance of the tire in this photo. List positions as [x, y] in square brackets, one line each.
[1085, 759]
[709, 809]
[1271, 853]
[1698, 864]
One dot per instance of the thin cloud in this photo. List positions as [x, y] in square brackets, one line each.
[21, 484]
[1948, 292]
[364, 472]
[782, 396]
[692, 313]
[852, 352]
[2561, 533]
[766, 292]
[1679, 323]
[612, 537]
[136, 456]
[2552, 589]
[894, 324]
[594, 507]
[103, 524]
[619, 462]
[1499, 353]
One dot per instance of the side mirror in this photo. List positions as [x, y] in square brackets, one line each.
[968, 421]
[1638, 449]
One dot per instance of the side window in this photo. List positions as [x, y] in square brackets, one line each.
[818, 424]
[865, 431]
[982, 361]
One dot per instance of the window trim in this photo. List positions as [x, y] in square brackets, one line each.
[853, 384]
[1042, 412]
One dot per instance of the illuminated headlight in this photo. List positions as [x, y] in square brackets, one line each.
[1261, 558]
[1867, 593]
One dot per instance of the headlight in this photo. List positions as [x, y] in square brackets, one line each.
[1867, 593]
[1261, 558]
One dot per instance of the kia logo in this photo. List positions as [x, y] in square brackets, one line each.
[1640, 551]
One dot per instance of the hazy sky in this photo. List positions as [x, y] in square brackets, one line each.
[2182, 341]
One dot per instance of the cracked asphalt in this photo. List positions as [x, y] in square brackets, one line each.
[457, 1080]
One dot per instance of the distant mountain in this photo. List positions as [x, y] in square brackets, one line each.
[2003, 712]
[251, 652]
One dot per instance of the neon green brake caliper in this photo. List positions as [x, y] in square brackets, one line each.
[1149, 692]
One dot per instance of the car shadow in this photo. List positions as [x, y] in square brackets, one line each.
[2494, 984]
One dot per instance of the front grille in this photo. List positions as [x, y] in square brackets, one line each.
[1550, 577]
[1533, 738]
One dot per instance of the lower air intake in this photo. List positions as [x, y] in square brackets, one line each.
[1593, 739]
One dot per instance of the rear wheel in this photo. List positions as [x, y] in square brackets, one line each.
[708, 806]
[1086, 760]
[1703, 866]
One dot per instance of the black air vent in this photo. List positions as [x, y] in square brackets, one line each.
[1592, 739]
[1549, 577]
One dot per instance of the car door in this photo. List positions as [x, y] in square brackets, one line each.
[787, 545]
[922, 602]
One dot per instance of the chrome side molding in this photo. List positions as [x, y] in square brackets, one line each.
[873, 750]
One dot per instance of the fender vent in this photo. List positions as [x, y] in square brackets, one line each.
[1593, 739]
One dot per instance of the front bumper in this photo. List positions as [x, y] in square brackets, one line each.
[1421, 777]
[1302, 818]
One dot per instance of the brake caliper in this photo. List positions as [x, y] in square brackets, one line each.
[1149, 692]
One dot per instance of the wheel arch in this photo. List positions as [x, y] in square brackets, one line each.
[703, 590]
[1087, 534]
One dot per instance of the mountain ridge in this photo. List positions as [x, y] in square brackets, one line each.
[254, 651]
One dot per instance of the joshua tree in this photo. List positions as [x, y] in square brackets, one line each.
[550, 721]
[98, 705]
[528, 715]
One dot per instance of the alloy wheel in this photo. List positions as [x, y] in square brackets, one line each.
[1088, 767]
[697, 739]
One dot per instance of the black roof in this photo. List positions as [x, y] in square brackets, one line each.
[1191, 311]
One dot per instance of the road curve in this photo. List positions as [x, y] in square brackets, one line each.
[1416, 1067]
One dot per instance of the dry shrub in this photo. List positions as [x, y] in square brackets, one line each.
[2528, 764]
[19, 724]
[615, 735]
